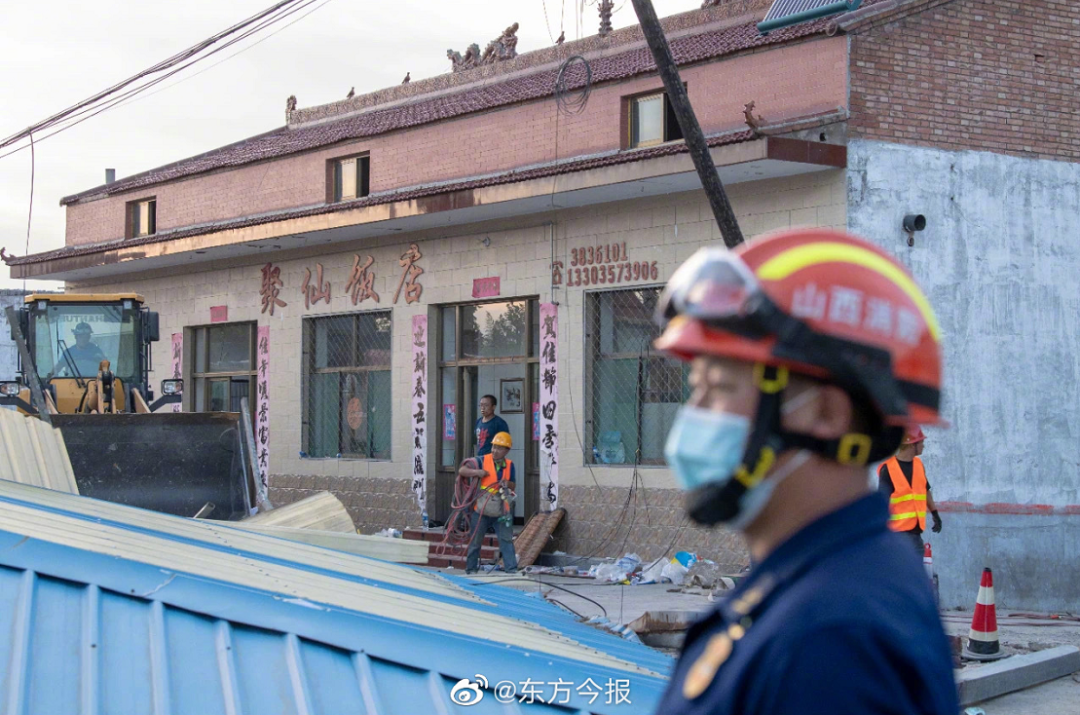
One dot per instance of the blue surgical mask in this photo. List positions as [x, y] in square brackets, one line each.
[706, 447]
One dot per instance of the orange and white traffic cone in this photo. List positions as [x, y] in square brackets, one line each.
[983, 643]
[928, 564]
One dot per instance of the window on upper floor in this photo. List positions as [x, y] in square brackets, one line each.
[652, 121]
[349, 178]
[141, 218]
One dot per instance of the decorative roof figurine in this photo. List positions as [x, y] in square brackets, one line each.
[471, 58]
[606, 7]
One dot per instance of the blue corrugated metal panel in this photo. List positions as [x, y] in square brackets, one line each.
[208, 535]
[94, 633]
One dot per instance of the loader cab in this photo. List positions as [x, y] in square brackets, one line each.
[69, 335]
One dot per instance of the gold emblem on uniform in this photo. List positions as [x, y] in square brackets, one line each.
[704, 669]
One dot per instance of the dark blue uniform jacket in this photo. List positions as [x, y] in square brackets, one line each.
[840, 619]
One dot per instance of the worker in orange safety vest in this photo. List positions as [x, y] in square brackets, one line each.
[902, 478]
[493, 503]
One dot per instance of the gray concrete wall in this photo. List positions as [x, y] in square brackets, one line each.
[1000, 261]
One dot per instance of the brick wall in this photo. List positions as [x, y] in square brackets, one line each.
[998, 76]
[488, 142]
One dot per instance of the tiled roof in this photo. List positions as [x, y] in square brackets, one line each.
[406, 194]
[283, 141]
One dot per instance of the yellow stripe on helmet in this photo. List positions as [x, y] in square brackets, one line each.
[795, 259]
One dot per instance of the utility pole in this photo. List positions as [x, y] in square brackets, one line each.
[691, 130]
[37, 394]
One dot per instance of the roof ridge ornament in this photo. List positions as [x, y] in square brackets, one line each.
[502, 48]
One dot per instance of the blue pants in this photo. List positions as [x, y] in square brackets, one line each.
[505, 532]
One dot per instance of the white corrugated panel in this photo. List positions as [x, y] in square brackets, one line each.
[219, 533]
[34, 453]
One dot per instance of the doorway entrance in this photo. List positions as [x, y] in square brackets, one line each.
[489, 349]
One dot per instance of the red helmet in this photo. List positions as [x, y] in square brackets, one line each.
[820, 302]
[914, 435]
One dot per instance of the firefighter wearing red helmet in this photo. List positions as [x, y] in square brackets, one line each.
[811, 350]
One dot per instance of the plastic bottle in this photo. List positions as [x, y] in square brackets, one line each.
[424, 517]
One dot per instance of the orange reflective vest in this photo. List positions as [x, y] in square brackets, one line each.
[490, 481]
[907, 506]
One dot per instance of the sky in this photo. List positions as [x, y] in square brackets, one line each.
[55, 54]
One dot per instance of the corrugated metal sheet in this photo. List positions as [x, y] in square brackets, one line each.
[111, 609]
[318, 511]
[34, 453]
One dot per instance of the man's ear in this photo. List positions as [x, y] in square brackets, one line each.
[834, 414]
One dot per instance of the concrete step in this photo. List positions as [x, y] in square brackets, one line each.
[437, 535]
[457, 562]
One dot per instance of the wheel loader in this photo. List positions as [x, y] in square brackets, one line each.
[84, 366]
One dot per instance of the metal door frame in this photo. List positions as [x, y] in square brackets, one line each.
[444, 477]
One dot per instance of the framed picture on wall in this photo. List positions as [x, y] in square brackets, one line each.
[511, 396]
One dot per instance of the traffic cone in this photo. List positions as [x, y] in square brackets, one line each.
[928, 564]
[983, 643]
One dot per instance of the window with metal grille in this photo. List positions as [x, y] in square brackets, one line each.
[634, 391]
[347, 385]
[141, 218]
[351, 177]
[224, 366]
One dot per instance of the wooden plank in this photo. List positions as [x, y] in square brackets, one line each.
[405, 551]
[534, 537]
[320, 511]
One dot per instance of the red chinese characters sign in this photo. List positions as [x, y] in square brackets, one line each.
[313, 293]
[360, 285]
[606, 264]
[271, 287]
[486, 287]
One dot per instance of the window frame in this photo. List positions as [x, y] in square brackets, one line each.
[334, 177]
[307, 369]
[131, 217]
[192, 376]
[591, 298]
[669, 123]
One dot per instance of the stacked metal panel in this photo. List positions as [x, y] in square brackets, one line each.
[32, 452]
[117, 609]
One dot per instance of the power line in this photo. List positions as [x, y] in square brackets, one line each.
[116, 94]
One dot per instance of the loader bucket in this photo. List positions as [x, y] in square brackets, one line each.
[173, 462]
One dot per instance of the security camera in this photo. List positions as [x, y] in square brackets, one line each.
[913, 223]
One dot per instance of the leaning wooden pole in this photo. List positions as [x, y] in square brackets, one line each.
[691, 130]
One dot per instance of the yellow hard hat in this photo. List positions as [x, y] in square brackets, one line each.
[502, 439]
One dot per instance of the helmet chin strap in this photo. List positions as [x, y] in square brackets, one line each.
[721, 503]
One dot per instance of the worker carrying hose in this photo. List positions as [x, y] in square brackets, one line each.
[494, 502]
[810, 352]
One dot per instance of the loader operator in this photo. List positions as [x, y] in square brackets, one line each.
[810, 351]
[85, 354]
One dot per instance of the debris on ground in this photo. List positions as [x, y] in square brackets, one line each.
[322, 511]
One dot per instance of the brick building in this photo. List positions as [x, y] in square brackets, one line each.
[472, 215]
